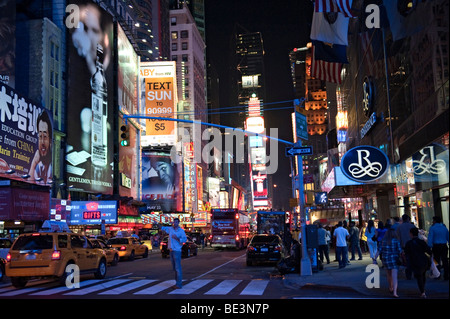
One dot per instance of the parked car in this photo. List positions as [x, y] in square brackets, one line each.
[189, 248]
[264, 248]
[112, 255]
[128, 247]
[5, 245]
[52, 254]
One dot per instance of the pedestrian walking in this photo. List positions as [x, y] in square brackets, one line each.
[363, 238]
[371, 238]
[341, 234]
[177, 237]
[438, 240]
[403, 234]
[381, 230]
[354, 241]
[391, 249]
[416, 251]
[323, 235]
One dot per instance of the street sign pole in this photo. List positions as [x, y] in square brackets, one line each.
[305, 263]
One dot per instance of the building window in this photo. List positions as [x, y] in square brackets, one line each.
[174, 57]
[174, 35]
[184, 34]
[173, 21]
[184, 46]
[184, 57]
[174, 46]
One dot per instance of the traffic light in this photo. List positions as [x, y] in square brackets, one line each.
[124, 135]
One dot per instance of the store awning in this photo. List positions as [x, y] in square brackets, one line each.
[337, 185]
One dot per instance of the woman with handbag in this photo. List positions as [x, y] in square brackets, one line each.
[416, 251]
[371, 233]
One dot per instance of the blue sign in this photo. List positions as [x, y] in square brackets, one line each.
[364, 163]
[93, 212]
[321, 198]
[302, 150]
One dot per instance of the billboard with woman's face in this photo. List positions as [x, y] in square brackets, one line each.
[90, 100]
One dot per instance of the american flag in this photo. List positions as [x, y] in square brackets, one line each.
[325, 71]
[343, 6]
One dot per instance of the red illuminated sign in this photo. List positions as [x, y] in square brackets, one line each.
[91, 215]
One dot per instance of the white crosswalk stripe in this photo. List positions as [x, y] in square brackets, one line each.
[142, 287]
[62, 289]
[133, 285]
[191, 287]
[103, 285]
[255, 288]
[224, 287]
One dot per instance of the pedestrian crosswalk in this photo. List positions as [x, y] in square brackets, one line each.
[145, 287]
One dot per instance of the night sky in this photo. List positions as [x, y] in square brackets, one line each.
[284, 24]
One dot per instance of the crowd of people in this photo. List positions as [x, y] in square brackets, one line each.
[397, 244]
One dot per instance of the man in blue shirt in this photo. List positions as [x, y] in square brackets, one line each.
[177, 237]
[437, 240]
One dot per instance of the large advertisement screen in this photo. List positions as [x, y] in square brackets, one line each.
[160, 183]
[93, 213]
[127, 75]
[159, 99]
[90, 100]
[25, 139]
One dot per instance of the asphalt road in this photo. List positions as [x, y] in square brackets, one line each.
[212, 274]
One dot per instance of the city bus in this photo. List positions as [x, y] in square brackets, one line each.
[230, 228]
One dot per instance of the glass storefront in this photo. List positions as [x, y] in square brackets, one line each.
[422, 184]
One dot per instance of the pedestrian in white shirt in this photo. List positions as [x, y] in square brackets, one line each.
[177, 237]
[341, 235]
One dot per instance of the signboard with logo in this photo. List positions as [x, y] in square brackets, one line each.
[364, 163]
[430, 164]
[93, 212]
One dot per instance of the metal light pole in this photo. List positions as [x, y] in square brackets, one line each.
[305, 263]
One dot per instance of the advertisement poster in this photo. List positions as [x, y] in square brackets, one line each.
[159, 99]
[24, 204]
[259, 185]
[7, 42]
[127, 75]
[90, 101]
[26, 132]
[160, 183]
[93, 213]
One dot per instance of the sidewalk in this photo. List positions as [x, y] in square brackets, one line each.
[354, 276]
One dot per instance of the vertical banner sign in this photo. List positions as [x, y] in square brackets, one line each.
[90, 100]
[159, 97]
[7, 42]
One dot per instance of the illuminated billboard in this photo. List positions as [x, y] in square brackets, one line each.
[127, 74]
[158, 98]
[26, 141]
[93, 212]
[255, 124]
[160, 182]
[7, 42]
[90, 101]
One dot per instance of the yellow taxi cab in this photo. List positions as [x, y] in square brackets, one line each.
[52, 254]
[112, 255]
[128, 247]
